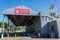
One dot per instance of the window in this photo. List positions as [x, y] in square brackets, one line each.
[44, 17]
[50, 18]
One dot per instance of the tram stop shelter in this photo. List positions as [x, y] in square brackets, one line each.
[24, 16]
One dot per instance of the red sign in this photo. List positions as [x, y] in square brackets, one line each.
[22, 11]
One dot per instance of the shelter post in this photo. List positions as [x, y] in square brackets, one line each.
[3, 27]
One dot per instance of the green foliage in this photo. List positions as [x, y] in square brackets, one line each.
[20, 27]
[6, 25]
[1, 24]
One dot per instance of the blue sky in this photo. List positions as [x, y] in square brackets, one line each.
[38, 5]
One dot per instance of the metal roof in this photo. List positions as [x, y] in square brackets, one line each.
[21, 19]
[10, 11]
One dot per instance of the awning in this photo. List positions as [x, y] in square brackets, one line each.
[20, 20]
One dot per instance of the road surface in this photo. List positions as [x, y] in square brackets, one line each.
[26, 38]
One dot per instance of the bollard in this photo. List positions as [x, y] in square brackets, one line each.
[8, 36]
[2, 36]
[15, 35]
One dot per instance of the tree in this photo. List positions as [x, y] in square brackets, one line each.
[6, 25]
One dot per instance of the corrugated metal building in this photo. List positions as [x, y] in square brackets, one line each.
[42, 25]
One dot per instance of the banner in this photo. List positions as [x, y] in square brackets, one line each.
[22, 11]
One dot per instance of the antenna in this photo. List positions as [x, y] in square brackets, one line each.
[52, 8]
[22, 3]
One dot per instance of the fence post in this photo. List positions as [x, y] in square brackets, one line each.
[15, 35]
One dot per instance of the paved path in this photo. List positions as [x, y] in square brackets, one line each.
[26, 38]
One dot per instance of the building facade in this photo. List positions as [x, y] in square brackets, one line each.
[49, 26]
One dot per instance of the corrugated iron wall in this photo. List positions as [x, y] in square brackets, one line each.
[34, 28]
